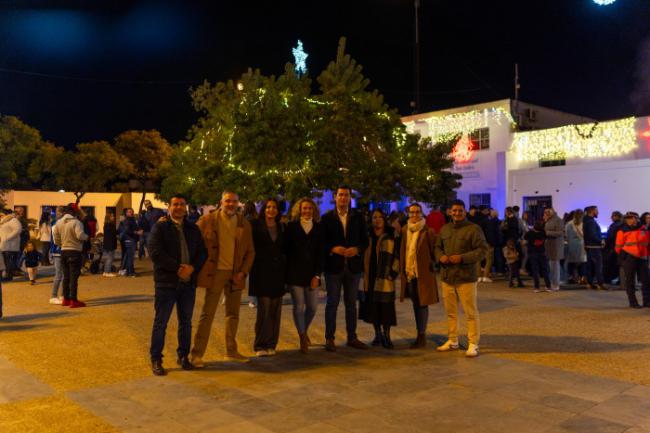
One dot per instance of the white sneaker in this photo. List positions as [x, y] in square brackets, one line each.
[487, 280]
[537, 290]
[449, 345]
[55, 301]
[108, 274]
[271, 352]
[472, 351]
[251, 304]
[555, 289]
[122, 272]
[261, 353]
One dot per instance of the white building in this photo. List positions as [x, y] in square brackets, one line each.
[515, 153]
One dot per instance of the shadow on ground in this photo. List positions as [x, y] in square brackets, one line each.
[502, 344]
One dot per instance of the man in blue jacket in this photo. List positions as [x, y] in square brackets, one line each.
[345, 238]
[177, 250]
[593, 247]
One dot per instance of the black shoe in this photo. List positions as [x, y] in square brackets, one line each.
[329, 345]
[185, 363]
[157, 368]
[377, 341]
[635, 306]
[520, 284]
[385, 340]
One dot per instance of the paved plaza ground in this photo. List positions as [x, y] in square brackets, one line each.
[573, 361]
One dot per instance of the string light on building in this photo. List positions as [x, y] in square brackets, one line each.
[442, 128]
[604, 2]
[591, 140]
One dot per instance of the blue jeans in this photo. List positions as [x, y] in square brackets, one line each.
[58, 275]
[143, 243]
[109, 256]
[129, 256]
[349, 284]
[183, 296]
[595, 265]
[305, 302]
[421, 312]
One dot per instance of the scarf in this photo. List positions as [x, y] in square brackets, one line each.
[412, 236]
[307, 224]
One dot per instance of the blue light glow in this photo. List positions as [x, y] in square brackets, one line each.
[300, 58]
[604, 2]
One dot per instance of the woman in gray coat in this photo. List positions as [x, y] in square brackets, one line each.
[576, 256]
[554, 228]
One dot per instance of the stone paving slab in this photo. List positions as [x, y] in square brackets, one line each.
[16, 384]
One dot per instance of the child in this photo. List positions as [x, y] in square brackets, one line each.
[512, 259]
[537, 255]
[32, 259]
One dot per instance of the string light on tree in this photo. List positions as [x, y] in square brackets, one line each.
[300, 58]
[591, 140]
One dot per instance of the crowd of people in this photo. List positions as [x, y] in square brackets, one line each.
[358, 255]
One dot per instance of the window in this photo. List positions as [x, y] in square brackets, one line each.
[552, 162]
[480, 200]
[88, 210]
[480, 138]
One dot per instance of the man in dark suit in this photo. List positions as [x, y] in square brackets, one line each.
[345, 238]
[177, 250]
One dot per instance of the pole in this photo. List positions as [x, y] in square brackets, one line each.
[417, 57]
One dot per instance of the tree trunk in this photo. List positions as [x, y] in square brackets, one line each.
[78, 196]
[144, 194]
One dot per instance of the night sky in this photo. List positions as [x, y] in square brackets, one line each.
[88, 70]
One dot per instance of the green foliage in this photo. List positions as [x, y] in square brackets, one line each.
[266, 136]
[148, 153]
[92, 167]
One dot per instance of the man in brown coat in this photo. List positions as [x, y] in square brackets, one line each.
[417, 276]
[229, 241]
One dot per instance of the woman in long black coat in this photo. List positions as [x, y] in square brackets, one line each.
[267, 277]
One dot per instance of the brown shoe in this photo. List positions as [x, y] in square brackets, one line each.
[419, 343]
[329, 345]
[357, 344]
[304, 343]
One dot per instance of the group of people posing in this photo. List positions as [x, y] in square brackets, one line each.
[357, 263]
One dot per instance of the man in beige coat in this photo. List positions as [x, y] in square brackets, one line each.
[227, 236]
[417, 276]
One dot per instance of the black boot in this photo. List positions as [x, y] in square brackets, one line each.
[386, 342]
[378, 340]
[157, 368]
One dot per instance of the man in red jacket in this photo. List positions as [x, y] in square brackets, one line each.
[632, 248]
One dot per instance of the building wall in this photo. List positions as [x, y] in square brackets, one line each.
[610, 185]
[35, 200]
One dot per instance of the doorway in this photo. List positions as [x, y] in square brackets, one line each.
[535, 207]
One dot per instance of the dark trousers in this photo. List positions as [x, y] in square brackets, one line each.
[634, 267]
[267, 324]
[539, 266]
[71, 262]
[421, 312]
[349, 284]
[514, 272]
[595, 265]
[183, 296]
[45, 252]
[10, 259]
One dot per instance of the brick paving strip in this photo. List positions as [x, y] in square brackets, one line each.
[86, 370]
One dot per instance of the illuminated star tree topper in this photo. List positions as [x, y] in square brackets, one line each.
[300, 58]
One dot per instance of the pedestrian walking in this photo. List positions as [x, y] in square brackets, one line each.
[267, 278]
[228, 238]
[304, 251]
[381, 263]
[178, 252]
[32, 259]
[554, 244]
[345, 239]
[417, 274]
[69, 234]
[460, 246]
[632, 247]
[129, 233]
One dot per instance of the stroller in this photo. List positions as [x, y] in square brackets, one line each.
[95, 254]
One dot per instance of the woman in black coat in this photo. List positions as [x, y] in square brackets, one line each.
[304, 250]
[267, 277]
[109, 245]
